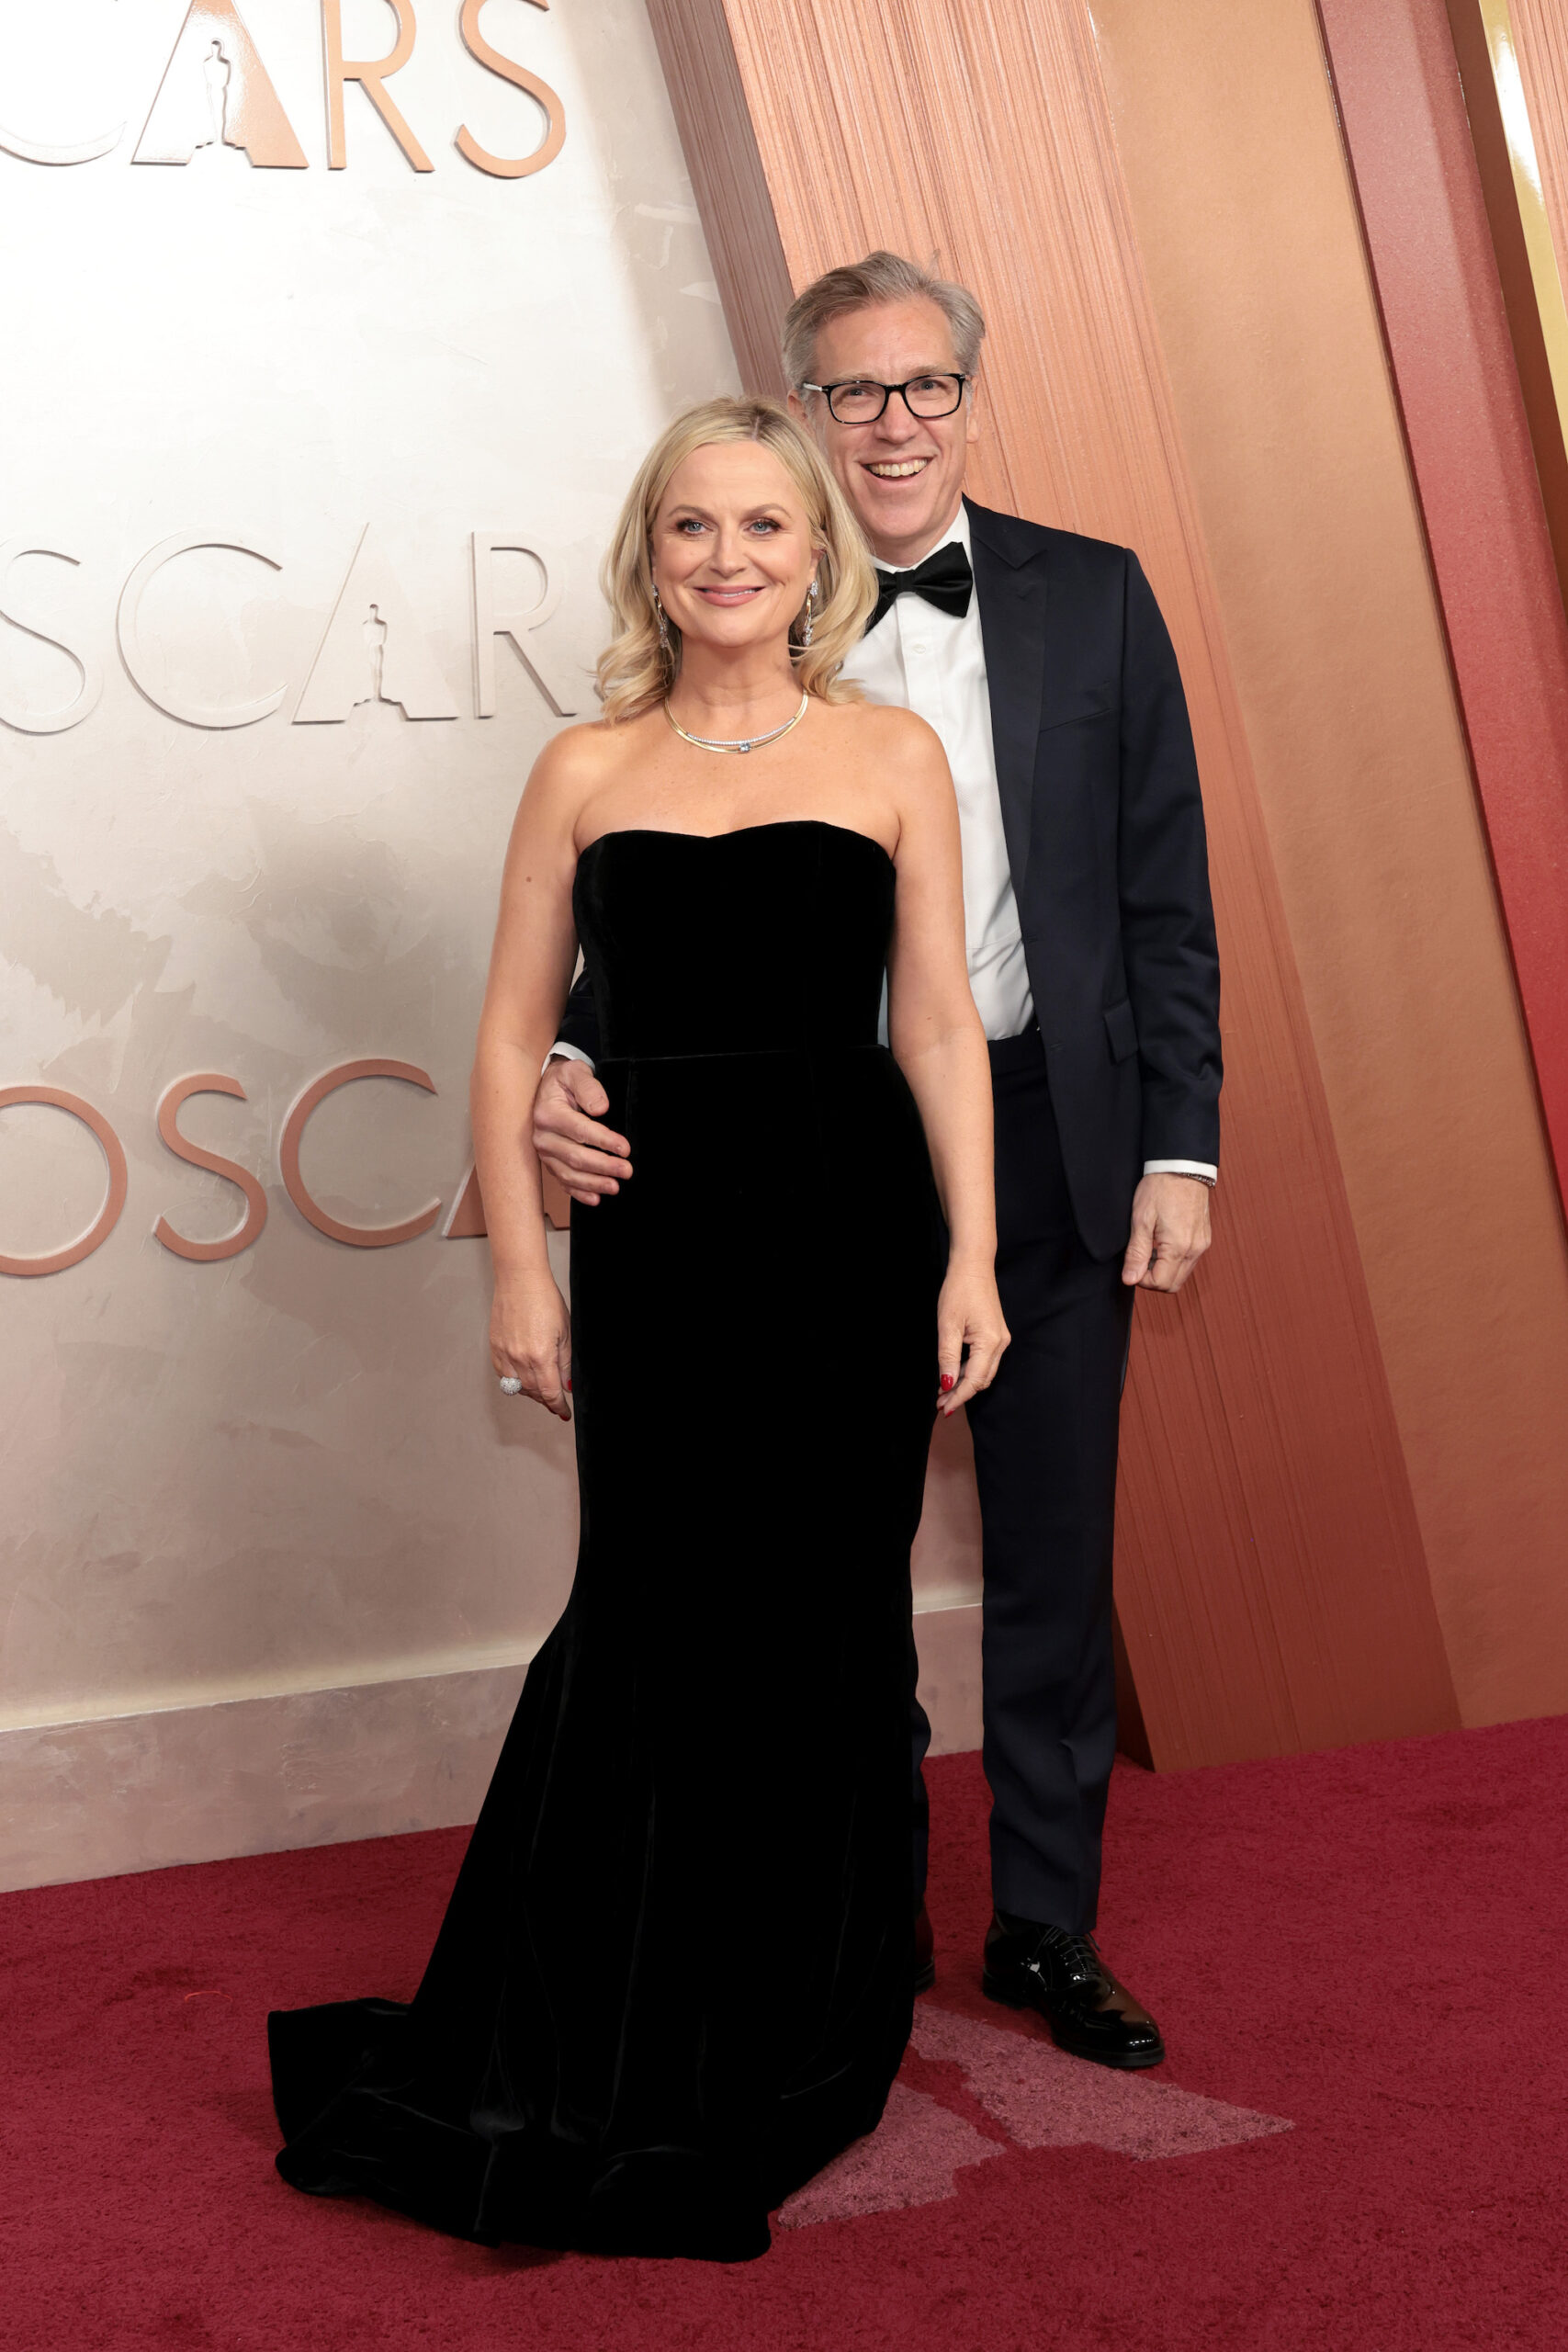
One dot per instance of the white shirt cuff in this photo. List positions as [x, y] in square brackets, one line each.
[1201, 1168]
[566, 1053]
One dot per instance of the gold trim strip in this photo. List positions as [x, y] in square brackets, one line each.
[1514, 108]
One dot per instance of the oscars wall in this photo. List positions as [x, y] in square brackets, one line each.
[333, 330]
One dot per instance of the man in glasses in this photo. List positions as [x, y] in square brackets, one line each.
[1041, 660]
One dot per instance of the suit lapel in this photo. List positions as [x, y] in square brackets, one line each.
[1011, 582]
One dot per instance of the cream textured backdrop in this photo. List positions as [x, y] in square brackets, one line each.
[275, 1548]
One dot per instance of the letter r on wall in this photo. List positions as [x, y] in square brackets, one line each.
[490, 624]
[371, 74]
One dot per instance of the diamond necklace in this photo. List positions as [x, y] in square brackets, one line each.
[750, 743]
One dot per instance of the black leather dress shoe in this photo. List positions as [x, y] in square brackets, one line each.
[1063, 1978]
[925, 1950]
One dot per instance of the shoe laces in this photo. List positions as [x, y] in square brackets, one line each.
[1077, 1957]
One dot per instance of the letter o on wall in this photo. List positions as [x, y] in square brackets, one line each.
[358, 1236]
[54, 1262]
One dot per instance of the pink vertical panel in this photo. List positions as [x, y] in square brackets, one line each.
[1403, 109]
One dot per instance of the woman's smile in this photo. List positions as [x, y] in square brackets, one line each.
[720, 594]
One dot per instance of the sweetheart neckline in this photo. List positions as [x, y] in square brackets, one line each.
[772, 825]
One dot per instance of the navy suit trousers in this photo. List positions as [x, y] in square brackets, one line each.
[1044, 1437]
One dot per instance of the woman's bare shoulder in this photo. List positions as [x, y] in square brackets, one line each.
[900, 748]
[882, 729]
[582, 760]
[587, 752]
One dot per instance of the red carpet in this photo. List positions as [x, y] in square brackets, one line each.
[1357, 2145]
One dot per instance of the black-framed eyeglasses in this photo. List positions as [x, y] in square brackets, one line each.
[859, 401]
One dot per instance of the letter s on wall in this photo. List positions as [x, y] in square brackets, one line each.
[358, 1236]
[503, 168]
[70, 714]
[228, 1244]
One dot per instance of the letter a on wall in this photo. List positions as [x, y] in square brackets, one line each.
[216, 88]
[373, 650]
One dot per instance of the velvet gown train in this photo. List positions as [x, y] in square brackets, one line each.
[674, 1978]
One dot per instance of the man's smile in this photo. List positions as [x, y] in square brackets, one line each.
[896, 469]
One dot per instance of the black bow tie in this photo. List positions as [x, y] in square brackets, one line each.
[944, 579]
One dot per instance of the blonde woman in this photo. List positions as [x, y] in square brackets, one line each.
[675, 1976]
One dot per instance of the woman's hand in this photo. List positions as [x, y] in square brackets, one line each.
[530, 1340]
[968, 1315]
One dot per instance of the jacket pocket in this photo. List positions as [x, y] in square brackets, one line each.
[1089, 701]
[1122, 1030]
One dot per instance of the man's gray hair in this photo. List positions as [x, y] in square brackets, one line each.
[880, 277]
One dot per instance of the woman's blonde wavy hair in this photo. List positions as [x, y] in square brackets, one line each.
[635, 670]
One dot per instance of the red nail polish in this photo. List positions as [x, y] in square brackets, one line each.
[568, 1388]
[946, 1382]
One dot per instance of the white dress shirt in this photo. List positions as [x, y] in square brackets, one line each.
[934, 664]
[930, 662]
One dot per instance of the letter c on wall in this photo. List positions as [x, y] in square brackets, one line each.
[42, 151]
[358, 1236]
[54, 1262]
[228, 1244]
[128, 626]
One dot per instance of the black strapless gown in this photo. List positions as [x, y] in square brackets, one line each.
[674, 1978]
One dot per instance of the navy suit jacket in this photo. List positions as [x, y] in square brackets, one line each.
[1104, 826]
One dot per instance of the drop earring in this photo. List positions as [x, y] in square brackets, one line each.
[663, 624]
[811, 594]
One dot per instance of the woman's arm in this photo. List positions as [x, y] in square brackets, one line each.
[530, 971]
[940, 1045]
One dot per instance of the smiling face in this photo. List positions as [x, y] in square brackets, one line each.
[732, 546]
[904, 475]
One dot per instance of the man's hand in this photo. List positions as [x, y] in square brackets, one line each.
[586, 1158]
[1170, 1231]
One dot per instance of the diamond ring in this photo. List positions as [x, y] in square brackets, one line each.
[510, 1386]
